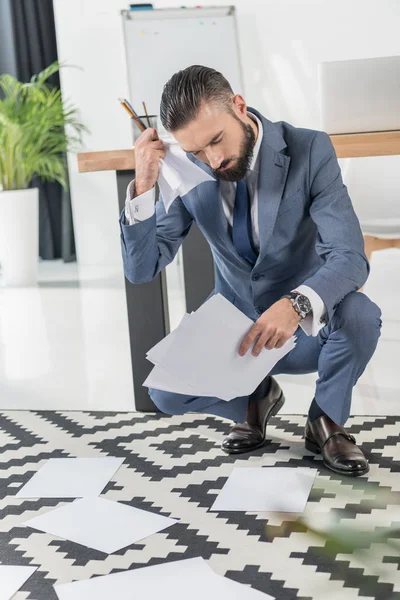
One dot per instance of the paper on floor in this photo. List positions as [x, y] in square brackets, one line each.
[180, 580]
[277, 489]
[71, 478]
[203, 353]
[12, 578]
[100, 524]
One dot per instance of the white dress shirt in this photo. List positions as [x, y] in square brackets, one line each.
[142, 207]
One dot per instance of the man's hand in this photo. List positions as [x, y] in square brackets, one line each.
[272, 329]
[148, 151]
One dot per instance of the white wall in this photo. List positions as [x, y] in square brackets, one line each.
[282, 41]
[89, 35]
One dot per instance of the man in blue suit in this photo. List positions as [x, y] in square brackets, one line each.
[287, 248]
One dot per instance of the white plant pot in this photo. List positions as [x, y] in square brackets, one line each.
[19, 237]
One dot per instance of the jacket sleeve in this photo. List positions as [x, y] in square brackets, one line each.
[149, 246]
[340, 241]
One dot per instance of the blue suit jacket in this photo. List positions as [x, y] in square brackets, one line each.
[309, 233]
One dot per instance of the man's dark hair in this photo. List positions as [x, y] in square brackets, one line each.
[184, 93]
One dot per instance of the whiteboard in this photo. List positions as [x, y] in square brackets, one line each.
[161, 42]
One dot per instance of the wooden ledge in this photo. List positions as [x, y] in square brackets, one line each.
[108, 160]
[377, 143]
[347, 145]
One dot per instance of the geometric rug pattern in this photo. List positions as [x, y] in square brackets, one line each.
[173, 466]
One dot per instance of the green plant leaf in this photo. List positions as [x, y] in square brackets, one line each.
[37, 129]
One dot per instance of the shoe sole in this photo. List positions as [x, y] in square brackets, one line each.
[274, 410]
[313, 447]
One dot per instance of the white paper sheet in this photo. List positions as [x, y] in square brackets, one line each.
[162, 346]
[71, 478]
[203, 353]
[277, 489]
[178, 175]
[160, 379]
[190, 579]
[12, 578]
[100, 523]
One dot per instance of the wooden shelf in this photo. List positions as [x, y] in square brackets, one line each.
[379, 143]
[108, 160]
[347, 145]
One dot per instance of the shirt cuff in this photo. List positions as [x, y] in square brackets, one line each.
[140, 208]
[315, 320]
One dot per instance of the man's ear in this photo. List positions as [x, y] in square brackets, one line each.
[239, 106]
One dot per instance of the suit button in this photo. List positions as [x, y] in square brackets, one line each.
[260, 310]
[256, 277]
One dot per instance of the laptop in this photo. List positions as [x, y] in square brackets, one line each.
[360, 95]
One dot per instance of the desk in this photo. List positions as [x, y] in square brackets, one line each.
[347, 145]
[150, 299]
[377, 143]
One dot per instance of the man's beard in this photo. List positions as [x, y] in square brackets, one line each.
[239, 169]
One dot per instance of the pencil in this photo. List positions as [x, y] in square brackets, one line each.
[129, 105]
[126, 108]
[146, 113]
[133, 116]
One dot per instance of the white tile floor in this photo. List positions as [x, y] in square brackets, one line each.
[64, 345]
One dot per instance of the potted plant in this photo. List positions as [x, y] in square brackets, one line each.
[36, 130]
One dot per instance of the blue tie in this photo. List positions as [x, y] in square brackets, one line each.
[241, 229]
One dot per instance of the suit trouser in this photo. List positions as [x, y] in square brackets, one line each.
[340, 353]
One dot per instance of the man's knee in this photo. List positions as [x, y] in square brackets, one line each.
[359, 317]
[168, 402]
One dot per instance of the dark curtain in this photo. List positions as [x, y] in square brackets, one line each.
[34, 46]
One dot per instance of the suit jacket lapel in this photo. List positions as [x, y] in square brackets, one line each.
[274, 168]
[209, 203]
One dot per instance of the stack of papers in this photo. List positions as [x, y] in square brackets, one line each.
[201, 358]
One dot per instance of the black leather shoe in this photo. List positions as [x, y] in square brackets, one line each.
[264, 402]
[338, 448]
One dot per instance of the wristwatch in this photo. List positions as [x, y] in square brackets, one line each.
[301, 303]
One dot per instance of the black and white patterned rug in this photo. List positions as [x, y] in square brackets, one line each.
[174, 466]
